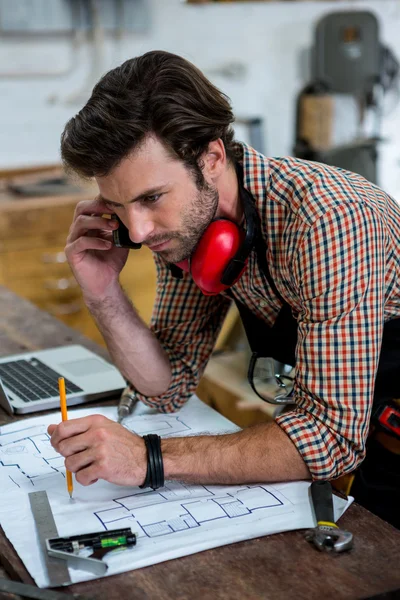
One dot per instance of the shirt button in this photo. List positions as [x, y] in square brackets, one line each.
[263, 304]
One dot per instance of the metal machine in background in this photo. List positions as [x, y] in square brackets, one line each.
[339, 112]
[254, 131]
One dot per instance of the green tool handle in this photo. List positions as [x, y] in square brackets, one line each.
[321, 494]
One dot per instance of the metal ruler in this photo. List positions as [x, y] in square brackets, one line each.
[57, 569]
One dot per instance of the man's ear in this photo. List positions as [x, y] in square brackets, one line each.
[214, 161]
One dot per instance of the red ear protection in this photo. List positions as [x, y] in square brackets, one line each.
[222, 252]
[218, 246]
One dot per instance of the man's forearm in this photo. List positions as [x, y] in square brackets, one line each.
[260, 453]
[134, 348]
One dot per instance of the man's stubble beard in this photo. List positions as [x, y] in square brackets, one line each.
[195, 221]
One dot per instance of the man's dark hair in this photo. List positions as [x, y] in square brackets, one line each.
[157, 93]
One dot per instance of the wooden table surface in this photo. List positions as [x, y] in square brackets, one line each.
[282, 566]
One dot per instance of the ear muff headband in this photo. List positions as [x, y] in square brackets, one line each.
[238, 262]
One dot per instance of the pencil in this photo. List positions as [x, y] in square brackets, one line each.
[64, 416]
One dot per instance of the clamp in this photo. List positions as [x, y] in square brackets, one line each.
[326, 536]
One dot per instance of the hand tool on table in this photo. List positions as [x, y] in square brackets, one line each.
[126, 403]
[98, 544]
[61, 552]
[57, 570]
[326, 536]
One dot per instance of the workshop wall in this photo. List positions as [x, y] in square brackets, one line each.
[252, 51]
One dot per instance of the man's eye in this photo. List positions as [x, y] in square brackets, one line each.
[152, 199]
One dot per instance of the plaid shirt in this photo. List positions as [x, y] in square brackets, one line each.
[333, 251]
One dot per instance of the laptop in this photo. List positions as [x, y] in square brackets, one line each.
[29, 381]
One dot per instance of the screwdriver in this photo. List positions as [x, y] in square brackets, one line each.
[127, 401]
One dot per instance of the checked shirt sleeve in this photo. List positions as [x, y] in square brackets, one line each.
[187, 324]
[339, 274]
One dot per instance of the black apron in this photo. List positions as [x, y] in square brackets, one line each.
[279, 341]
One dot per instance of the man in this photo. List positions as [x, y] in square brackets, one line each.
[156, 135]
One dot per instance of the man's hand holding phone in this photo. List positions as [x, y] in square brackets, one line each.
[94, 259]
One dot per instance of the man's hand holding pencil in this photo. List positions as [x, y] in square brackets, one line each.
[97, 448]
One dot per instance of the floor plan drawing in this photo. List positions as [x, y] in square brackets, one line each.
[167, 425]
[184, 507]
[27, 459]
[176, 520]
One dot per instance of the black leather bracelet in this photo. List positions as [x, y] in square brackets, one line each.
[155, 443]
[161, 471]
[146, 482]
[155, 467]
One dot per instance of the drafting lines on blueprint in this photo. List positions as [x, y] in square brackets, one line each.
[27, 458]
[165, 425]
[177, 507]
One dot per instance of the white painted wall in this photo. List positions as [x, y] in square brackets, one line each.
[267, 38]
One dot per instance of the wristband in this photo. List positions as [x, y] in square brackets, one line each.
[155, 467]
[155, 443]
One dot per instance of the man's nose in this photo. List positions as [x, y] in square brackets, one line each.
[140, 227]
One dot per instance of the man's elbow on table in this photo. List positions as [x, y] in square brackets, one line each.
[327, 453]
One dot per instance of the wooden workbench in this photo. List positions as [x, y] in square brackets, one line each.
[277, 567]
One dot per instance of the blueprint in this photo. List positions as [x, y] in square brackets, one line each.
[179, 507]
[176, 520]
[29, 462]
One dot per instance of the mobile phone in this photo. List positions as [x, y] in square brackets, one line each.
[121, 237]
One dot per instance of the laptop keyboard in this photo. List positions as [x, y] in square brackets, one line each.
[32, 380]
